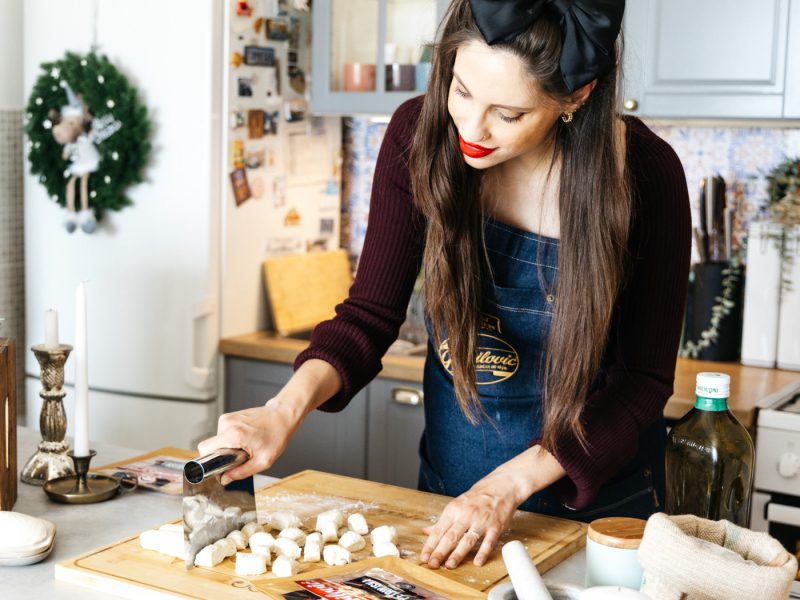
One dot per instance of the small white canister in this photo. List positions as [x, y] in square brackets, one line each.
[612, 548]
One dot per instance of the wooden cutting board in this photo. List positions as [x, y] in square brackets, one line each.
[125, 569]
[304, 289]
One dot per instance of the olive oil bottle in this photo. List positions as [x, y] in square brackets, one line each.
[709, 457]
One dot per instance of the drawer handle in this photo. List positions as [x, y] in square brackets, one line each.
[407, 396]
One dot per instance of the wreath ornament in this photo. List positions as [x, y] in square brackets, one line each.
[88, 137]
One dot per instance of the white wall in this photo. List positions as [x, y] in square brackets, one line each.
[11, 94]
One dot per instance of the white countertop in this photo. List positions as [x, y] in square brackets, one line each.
[83, 527]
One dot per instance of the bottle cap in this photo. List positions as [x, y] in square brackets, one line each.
[713, 385]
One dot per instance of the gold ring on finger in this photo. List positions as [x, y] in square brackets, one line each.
[473, 534]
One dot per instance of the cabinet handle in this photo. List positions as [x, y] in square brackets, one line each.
[407, 396]
[630, 104]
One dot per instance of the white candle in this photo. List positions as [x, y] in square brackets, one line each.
[81, 375]
[51, 329]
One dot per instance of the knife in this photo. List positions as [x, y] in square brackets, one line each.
[212, 510]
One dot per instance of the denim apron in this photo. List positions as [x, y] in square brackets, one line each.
[509, 362]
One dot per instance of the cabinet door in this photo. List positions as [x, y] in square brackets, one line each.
[330, 442]
[708, 58]
[367, 55]
[396, 422]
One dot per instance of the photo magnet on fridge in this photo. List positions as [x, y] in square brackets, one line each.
[245, 87]
[259, 56]
[254, 159]
[271, 120]
[255, 124]
[241, 189]
[238, 119]
[277, 29]
[237, 154]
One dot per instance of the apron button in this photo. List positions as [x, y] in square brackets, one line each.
[550, 298]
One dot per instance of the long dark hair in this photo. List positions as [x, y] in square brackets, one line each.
[594, 211]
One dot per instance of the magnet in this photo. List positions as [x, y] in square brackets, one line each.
[255, 124]
[277, 29]
[292, 218]
[259, 56]
[245, 87]
[237, 154]
[241, 189]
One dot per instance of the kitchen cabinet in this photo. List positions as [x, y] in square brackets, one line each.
[366, 53]
[331, 442]
[712, 59]
[376, 437]
[396, 422]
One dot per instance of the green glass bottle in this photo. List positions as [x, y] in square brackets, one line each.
[709, 458]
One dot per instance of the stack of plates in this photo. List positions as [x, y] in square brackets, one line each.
[25, 540]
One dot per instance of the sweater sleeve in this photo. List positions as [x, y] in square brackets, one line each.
[369, 320]
[646, 330]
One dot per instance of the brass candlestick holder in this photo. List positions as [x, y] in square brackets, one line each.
[83, 487]
[50, 460]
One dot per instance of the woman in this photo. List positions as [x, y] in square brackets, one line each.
[554, 238]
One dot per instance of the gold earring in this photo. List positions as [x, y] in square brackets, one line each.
[567, 117]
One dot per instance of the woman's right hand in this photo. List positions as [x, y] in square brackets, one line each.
[263, 432]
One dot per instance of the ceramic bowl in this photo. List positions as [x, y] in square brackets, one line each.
[559, 591]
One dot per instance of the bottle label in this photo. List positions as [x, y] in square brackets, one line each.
[711, 404]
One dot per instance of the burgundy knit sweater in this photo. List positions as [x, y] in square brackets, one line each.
[646, 328]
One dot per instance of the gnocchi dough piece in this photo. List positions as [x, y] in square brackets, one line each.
[248, 517]
[287, 547]
[334, 516]
[314, 536]
[384, 533]
[209, 556]
[227, 546]
[352, 542]
[172, 527]
[237, 537]
[251, 528]
[385, 549]
[356, 522]
[262, 541]
[335, 555]
[312, 550]
[248, 564]
[285, 566]
[165, 541]
[294, 534]
[283, 520]
[150, 539]
[329, 531]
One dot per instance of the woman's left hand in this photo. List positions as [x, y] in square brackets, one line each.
[486, 510]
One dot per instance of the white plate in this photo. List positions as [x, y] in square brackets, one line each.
[26, 560]
[41, 547]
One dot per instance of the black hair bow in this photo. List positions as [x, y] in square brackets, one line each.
[589, 29]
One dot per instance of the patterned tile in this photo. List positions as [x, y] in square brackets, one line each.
[743, 156]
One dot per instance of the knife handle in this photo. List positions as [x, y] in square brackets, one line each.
[217, 462]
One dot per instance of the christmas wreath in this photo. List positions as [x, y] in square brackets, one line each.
[86, 128]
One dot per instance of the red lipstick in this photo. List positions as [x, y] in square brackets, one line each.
[474, 150]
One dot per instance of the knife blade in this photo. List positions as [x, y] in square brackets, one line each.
[212, 510]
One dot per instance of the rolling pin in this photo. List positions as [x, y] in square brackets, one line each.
[527, 582]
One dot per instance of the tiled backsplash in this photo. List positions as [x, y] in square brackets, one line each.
[743, 156]
[12, 273]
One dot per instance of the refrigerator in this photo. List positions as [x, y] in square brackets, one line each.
[170, 275]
